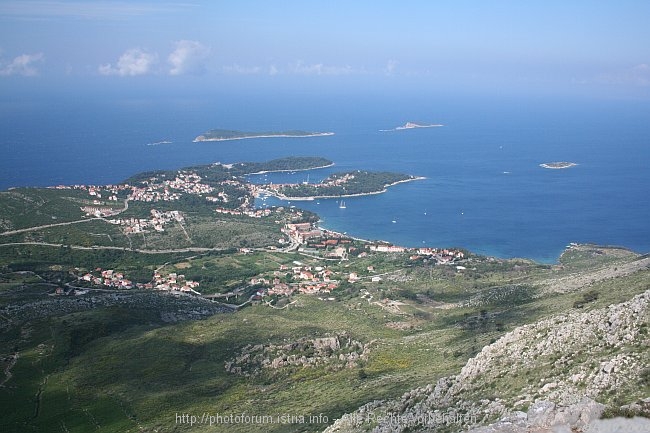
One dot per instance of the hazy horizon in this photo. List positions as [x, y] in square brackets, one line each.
[501, 49]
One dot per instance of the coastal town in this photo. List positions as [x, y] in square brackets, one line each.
[319, 274]
[326, 255]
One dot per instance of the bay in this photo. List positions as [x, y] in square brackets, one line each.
[484, 189]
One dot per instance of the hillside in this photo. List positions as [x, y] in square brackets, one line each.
[135, 307]
[303, 355]
[556, 371]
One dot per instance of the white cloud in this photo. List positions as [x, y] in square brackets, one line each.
[295, 68]
[638, 75]
[132, 62]
[242, 70]
[22, 65]
[188, 58]
[390, 67]
[319, 69]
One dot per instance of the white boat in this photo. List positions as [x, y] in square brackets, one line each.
[342, 205]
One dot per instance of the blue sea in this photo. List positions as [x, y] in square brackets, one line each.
[484, 189]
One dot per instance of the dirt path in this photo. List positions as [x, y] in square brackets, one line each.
[31, 229]
[100, 247]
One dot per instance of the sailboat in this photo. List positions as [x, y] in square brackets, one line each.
[342, 205]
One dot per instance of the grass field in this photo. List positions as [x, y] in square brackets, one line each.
[122, 369]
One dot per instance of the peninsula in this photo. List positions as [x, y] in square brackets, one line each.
[338, 185]
[413, 125]
[229, 134]
[558, 165]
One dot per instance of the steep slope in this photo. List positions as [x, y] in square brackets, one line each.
[556, 369]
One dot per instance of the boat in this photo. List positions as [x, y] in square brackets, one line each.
[342, 205]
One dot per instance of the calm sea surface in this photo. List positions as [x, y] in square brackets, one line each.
[484, 189]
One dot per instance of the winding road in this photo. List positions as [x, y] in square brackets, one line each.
[99, 247]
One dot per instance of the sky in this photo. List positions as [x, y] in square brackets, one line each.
[592, 48]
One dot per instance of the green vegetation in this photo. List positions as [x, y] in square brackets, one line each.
[27, 207]
[215, 173]
[344, 184]
[282, 164]
[122, 369]
[129, 360]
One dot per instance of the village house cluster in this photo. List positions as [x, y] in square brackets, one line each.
[117, 280]
[222, 196]
[152, 194]
[189, 183]
[334, 245]
[442, 256]
[99, 211]
[338, 181]
[306, 279]
[301, 232]
[331, 181]
[174, 282]
[97, 192]
[157, 221]
[110, 191]
[108, 278]
[170, 190]
[312, 239]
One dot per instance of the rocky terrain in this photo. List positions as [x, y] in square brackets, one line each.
[171, 308]
[339, 351]
[562, 373]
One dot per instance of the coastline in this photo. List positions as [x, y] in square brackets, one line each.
[320, 227]
[201, 138]
[314, 197]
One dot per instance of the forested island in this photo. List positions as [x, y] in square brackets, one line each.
[347, 184]
[229, 134]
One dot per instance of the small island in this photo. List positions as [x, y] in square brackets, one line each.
[228, 134]
[338, 185]
[413, 125]
[558, 165]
